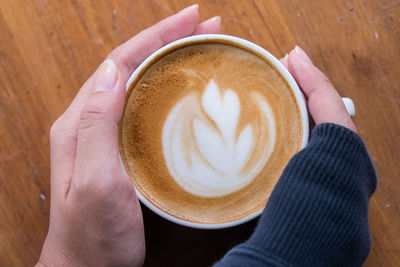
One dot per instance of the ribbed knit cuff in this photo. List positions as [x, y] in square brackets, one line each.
[345, 146]
[317, 214]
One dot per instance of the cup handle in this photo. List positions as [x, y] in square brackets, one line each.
[349, 106]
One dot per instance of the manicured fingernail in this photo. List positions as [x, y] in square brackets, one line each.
[216, 18]
[195, 6]
[107, 76]
[303, 54]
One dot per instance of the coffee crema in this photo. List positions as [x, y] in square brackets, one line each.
[207, 130]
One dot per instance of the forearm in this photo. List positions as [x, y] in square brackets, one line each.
[318, 211]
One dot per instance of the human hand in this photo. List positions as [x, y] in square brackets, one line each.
[323, 101]
[95, 217]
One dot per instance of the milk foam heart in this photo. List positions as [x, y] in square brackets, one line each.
[205, 151]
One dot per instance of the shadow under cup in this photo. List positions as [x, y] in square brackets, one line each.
[209, 124]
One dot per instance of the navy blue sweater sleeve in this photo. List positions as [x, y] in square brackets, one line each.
[317, 215]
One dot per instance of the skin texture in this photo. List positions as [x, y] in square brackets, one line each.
[95, 217]
[323, 101]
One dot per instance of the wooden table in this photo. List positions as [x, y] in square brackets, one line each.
[49, 48]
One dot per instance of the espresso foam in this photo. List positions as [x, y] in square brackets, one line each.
[207, 130]
[209, 161]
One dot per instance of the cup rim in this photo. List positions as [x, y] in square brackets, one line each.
[260, 52]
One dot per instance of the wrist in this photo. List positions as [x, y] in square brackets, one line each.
[52, 255]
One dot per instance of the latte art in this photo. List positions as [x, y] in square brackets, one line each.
[204, 150]
[207, 130]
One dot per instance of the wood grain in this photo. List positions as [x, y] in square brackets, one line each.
[49, 48]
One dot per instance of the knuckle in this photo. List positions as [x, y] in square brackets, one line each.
[96, 184]
[53, 130]
[56, 128]
[121, 56]
[91, 116]
[63, 134]
[84, 184]
[322, 79]
[116, 52]
[325, 81]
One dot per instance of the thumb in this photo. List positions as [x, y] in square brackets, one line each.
[97, 145]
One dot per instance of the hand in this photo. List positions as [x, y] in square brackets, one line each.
[323, 101]
[95, 217]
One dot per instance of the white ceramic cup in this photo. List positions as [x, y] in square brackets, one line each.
[268, 57]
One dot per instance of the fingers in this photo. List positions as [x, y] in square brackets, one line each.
[126, 57]
[129, 55]
[284, 60]
[323, 101]
[212, 25]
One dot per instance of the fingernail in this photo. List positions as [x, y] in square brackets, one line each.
[286, 57]
[303, 54]
[216, 18]
[107, 77]
[195, 6]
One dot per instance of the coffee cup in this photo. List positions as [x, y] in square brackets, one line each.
[210, 121]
